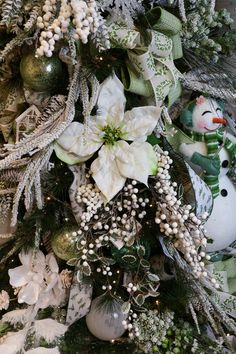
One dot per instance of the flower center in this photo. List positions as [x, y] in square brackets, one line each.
[111, 135]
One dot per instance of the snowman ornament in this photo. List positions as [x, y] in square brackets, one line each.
[211, 154]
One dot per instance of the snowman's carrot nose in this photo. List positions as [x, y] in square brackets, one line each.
[219, 120]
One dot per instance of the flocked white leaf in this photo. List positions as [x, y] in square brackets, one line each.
[49, 329]
[17, 316]
[41, 350]
[13, 343]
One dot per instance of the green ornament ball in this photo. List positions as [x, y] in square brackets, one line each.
[64, 243]
[41, 74]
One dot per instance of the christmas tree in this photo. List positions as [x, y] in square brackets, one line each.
[117, 177]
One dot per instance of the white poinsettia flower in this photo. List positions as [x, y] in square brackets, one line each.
[38, 279]
[109, 132]
[54, 293]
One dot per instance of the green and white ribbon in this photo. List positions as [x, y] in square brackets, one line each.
[225, 274]
[163, 21]
[149, 65]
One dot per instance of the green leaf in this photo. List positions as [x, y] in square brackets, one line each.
[141, 251]
[153, 293]
[145, 264]
[72, 262]
[129, 258]
[153, 277]
[92, 257]
[107, 261]
[130, 241]
[86, 270]
[125, 307]
[139, 299]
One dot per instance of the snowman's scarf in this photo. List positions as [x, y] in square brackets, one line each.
[213, 141]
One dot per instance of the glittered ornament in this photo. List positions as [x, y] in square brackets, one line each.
[105, 318]
[41, 74]
[64, 243]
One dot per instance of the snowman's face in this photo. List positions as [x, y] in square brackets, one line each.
[204, 116]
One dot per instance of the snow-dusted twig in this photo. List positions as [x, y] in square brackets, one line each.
[10, 10]
[182, 11]
[122, 10]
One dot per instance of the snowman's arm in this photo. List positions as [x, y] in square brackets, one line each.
[209, 165]
[189, 149]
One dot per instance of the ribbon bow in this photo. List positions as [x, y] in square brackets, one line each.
[225, 273]
[151, 68]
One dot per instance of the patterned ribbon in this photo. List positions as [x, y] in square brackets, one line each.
[10, 110]
[213, 140]
[225, 273]
[152, 63]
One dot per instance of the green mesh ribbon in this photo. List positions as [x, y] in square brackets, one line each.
[150, 69]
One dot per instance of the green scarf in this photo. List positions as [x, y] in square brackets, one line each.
[213, 141]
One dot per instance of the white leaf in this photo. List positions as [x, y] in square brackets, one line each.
[41, 350]
[111, 101]
[18, 316]
[13, 343]
[49, 329]
[136, 161]
[140, 122]
[106, 174]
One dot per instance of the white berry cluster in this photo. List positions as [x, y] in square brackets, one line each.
[108, 272]
[88, 249]
[177, 221]
[117, 220]
[132, 288]
[79, 18]
[92, 200]
[128, 324]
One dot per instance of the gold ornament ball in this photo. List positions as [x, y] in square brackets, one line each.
[64, 243]
[41, 74]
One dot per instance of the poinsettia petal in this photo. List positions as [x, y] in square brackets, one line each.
[138, 161]
[67, 157]
[140, 122]
[106, 174]
[19, 276]
[26, 258]
[52, 263]
[74, 140]
[111, 102]
[38, 262]
[29, 293]
[51, 281]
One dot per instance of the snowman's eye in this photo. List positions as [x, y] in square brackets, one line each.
[206, 112]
